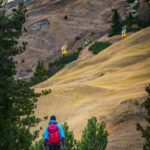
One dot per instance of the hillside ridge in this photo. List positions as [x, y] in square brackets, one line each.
[109, 85]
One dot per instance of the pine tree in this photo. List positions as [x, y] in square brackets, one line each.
[70, 142]
[38, 145]
[116, 23]
[17, 99]
[94, 136]
[146, 130]
[40, 75]
[129, 20]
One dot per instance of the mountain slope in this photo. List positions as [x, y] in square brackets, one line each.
[48, 29]
[53, 23]
[109, 86]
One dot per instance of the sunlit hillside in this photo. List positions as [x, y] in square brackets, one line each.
[109, 85]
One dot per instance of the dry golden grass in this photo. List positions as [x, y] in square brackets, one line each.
[99, 85]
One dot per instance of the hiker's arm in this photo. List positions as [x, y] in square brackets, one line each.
[62, 134]
[46, 134]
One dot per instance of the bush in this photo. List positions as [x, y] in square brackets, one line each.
[99, 46]
[40, 75]
[70, 142]
[136, 17]
[38, 145]
[94, 137]
[60, 63]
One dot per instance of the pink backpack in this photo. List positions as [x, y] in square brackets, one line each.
[54, 135]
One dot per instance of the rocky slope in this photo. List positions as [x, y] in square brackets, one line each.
[52, 23]
[109, 86]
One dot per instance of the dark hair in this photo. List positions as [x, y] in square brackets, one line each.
[53, 117]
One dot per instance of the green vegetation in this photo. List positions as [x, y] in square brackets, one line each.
[116, 26]
[55, 66]
[146, 130]
[17, 99]
[99, 46]
[129, 23]
[40, 74]
[134, 19]
[129, 20]
[65, 60]
[70, 142]
[94, 137]
[38, 145]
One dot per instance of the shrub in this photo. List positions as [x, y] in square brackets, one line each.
[17, 98]
[129, 19]
[99, 46]
[40, 75]
[46, 91]
[70, 142]
[55, 66]
[94, 137]
[38, 145]
[45, 117]
[65, 60]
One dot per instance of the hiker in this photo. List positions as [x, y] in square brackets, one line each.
[54, 135]
[124, 31]
[64, 50]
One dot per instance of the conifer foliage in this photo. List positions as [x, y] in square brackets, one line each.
[116, 23]
[40, 75]
[94, 137]
[17, 99]
[70, 142]
[146, 130]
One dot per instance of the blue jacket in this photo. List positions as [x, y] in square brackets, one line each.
[61, 131]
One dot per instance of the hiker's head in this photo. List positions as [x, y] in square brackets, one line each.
[53, 117]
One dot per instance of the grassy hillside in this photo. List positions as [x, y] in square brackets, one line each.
[109, 86]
